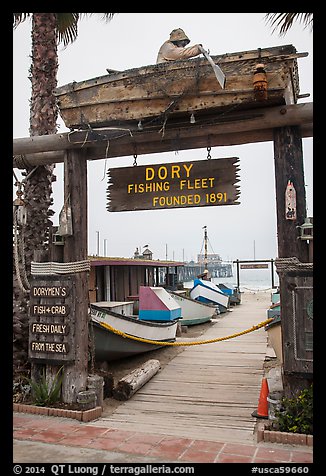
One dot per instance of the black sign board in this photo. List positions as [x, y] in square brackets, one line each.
[198, 183]
[254, 266]
[52, 319]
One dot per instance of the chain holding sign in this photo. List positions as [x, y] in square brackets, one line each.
[176, 185]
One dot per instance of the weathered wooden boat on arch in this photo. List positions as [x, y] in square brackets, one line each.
[149, 95]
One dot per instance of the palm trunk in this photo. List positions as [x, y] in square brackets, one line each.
[38, 182]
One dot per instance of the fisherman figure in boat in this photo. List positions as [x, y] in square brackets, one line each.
[175, 48]
[205, 276]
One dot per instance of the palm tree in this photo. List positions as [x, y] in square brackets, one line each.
[48, 30]
[284, 21]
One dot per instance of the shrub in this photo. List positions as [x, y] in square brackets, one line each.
[296, 414]
[42, 393]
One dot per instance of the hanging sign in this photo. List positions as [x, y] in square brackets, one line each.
[254, 266]
[198, 183]
[290, 202]
[52, 320]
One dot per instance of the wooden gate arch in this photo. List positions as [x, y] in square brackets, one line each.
[285, 125]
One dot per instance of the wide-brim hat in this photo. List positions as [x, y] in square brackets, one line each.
[178, 34]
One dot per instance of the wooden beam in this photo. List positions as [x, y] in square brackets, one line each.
[97, 153]
[223, 129]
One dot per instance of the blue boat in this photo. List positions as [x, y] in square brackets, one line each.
[208, 292]
[275, 308]
[234, 293]
[274, 328]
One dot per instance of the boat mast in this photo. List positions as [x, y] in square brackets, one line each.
[205, 248]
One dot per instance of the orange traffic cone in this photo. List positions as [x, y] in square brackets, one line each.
[262, 410]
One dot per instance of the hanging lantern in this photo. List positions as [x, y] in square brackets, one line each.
[19, 206]
[306, 229]
[290, 202]
[260, 83]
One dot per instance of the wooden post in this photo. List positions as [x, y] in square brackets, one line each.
[238, 274]
[37, 368]
[272, 273]
[288, 157]
[75, 249]
[56, 255]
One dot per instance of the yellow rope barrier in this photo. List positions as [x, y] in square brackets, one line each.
[209, 341]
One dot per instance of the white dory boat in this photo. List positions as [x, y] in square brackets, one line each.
[109, 345]
[192, 311]
[208, 292]
[157, 321]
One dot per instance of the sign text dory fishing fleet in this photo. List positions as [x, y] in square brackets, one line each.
[175, 185]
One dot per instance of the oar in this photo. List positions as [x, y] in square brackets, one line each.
[220, 76]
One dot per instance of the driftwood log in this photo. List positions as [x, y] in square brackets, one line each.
[128, 385]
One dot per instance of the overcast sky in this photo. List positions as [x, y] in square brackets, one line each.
[132, 40]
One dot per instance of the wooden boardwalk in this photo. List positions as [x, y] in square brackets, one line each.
[207, 391]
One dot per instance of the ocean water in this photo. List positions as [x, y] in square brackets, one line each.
[251, 280]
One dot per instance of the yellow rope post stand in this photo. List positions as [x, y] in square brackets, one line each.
[209, 341]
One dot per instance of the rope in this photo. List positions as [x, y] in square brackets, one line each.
[22, 254]
[209, 341]
[292, 264]
[257, 289]
[59, 268]
[20, 161]
[20, 245]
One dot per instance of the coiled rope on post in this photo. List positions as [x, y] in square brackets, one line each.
[52, 267]
[19, 248]
[208, 341]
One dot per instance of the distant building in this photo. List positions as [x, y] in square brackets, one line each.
[147, 254]
[215, 267]
[211, 258]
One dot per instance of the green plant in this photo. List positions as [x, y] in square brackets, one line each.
[296, 414]
[44, 394]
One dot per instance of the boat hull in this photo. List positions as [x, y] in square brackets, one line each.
[110, 346]
[175, 88]
[208, 292]
[119, 307]
[233, 293]
[193, 312]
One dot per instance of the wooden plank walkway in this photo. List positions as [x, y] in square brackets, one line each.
[207, 391]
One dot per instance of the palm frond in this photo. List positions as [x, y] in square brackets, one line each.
[68, 25]
[285, 21]
[105, 16]
[19, 18]
[108, 16]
